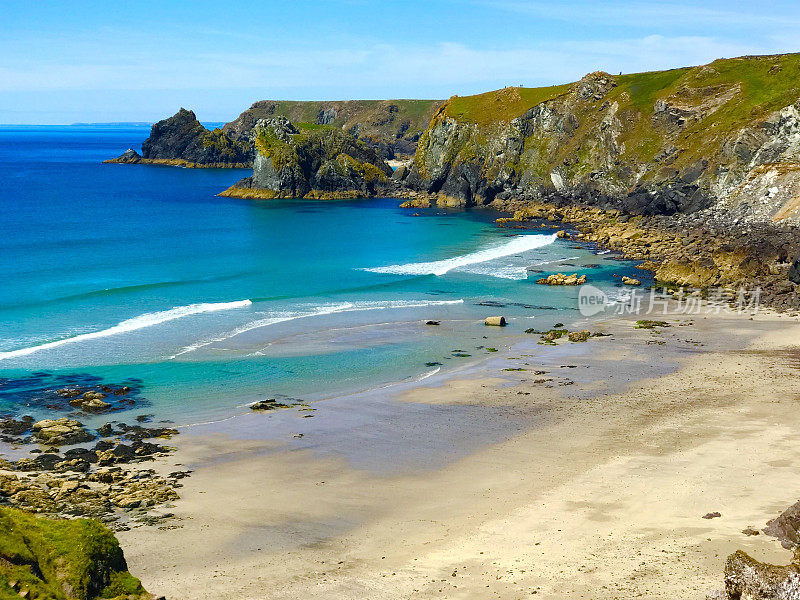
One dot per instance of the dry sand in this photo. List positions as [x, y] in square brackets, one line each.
[598, 492]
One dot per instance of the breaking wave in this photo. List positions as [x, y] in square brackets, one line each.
[324, 309]
[140, 322]
[517, 245]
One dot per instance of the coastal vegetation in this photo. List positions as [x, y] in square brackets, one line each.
[62, 560]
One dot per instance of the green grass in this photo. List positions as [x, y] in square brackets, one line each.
[500, 106]
[644, 88]
[47, 556]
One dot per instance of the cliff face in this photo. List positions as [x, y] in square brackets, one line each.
[304, 161]
[723, 137]
[183, 137]
[391, 127]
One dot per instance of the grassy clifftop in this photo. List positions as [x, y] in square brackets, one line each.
[61, 560]
[501, 105]
[659, 142]
[767, 84]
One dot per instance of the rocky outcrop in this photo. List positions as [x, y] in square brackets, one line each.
[561, 279]
[320, 162]
[391, 127]
[130, 156]
[60, 432]
[183, 136]
[684, 250]
[62, 560]
[182, 141]
[748, 579]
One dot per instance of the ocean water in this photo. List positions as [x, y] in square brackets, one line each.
[141, 274]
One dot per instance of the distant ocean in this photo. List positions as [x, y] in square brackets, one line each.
[122, 273]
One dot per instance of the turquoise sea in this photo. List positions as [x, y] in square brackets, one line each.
[142, 275]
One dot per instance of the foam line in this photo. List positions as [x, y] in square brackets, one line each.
[140, 322]
[517, 245]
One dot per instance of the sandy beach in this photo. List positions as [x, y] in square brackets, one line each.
[586, 475]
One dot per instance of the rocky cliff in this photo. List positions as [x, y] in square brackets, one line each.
[391, 127]
[723, 137]
[62, 560]
[310, 161]
[182, 140]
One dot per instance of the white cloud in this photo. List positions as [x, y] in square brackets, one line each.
[454, 65]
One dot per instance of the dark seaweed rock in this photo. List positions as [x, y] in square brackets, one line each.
[794, 272]
[81, 454]
[138, 432]
[269, 404]
[47, 461]
[16, 427]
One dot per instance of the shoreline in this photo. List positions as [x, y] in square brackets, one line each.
[282, 518]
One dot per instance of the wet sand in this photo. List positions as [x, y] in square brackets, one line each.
[486, 484]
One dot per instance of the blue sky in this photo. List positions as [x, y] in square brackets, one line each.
[62, 62]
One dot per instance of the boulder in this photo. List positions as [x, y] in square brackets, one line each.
[95, 406]
[630, 281]
[16, 426]
[561, 279]
[269, 404]
[786, 527]
[579, 336]
[60, 432]
[495, 321]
